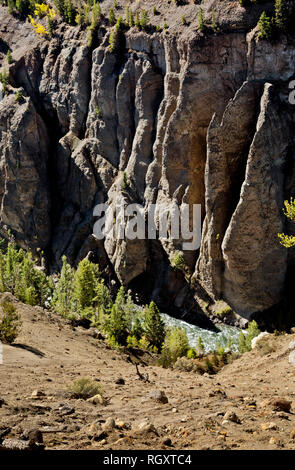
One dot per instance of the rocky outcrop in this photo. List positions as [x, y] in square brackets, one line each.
[24, 192]
[175, 116]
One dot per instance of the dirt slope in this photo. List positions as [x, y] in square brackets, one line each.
[52, 354]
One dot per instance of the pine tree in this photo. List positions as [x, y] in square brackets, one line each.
[9, 57]
[63, 300]
[144, 19]
[112, 18]
[137, 21]
[200, 346]
[281, 18]
[96, 15]
[104, 304]
[69, 11]
[154, 326]
[86, 279]
[118, 322]
[266, 26]
[201, 25]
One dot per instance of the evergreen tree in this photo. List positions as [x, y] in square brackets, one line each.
[154, 326]
[144, 19]
[86, 279]
[104, 304]
[69, 11]
[96, 15]
[63, 299]
[266, 26]
[137, 21]
[200, 346]
[118, 322]
[281, 18]
[112, 18]
[201, 25]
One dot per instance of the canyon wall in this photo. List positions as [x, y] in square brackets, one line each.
[184, 117]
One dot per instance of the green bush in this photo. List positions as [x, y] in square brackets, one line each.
[201, 24]
[245, 339]
[4, 80]
[9, 57]
[124, 183]
[200, 346]
[175, 345]
[192, 353]
[20, 276]
[19, 96]
[266, 26]
[177, 261]
[85, 388]
[10, 322]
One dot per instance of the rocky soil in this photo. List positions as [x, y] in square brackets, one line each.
[249, 404]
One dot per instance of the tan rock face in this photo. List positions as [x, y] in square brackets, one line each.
[188, 118]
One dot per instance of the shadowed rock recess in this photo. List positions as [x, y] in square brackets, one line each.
[186, 116]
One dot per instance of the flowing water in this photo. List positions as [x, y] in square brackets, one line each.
[210, 339]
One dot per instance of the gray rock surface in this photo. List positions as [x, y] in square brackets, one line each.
[187, 117]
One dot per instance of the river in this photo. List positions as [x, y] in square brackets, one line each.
[210, 339]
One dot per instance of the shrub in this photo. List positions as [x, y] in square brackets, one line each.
[132, 341]
[221, 309]
[9, 57]
[19, 96]
[175, 345]
[200, 346]
[143, 343]
[10, 322]
[124, 183]
[177, 261]
[266, 26]
[183, 20]
[192, 353]
[4, 80]
[209, 366]
[245, 340]
[154, 326]
[185, 364]
[281, 16]
[85, 388]
[288, 241]
[201, 25]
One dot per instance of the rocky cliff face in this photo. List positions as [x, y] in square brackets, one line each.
[182, 116]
